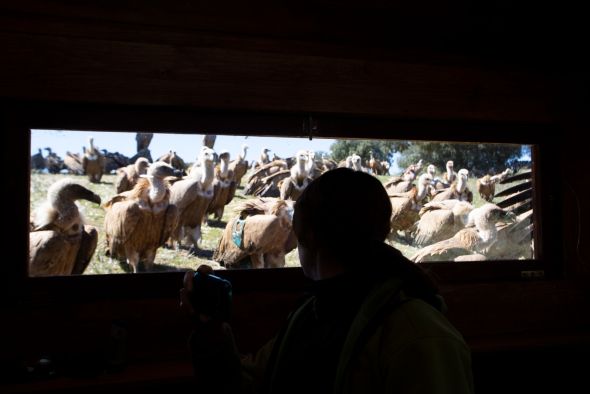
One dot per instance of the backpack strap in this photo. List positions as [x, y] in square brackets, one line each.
[382, 300]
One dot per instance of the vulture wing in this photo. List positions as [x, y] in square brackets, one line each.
[51, 253]
[433, 226]
[463, 243]
[88, 244]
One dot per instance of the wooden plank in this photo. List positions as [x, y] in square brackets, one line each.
[98, 71]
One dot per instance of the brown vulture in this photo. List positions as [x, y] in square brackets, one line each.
[192, 196]
[480, 234]
[93, 162]
[60, 243]
[440, 220]
[128, 176]
[262, 230]
[139, 221]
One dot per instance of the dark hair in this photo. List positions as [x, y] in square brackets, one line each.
[342, 206]
[348, 212]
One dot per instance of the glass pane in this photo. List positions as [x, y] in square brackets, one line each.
[83, 202]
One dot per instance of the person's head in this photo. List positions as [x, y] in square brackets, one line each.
[339, 214]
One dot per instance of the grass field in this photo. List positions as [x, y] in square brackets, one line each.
[166, 259]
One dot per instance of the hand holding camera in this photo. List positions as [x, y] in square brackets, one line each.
[206, 296]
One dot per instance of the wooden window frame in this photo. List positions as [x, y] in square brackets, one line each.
[20, 118]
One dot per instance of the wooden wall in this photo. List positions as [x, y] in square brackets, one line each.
[375, 60]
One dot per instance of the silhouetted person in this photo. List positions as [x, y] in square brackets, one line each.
[372, 321]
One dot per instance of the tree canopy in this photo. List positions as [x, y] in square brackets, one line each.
[479, 159]
[382, 149]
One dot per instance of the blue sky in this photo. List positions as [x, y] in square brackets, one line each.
[186, 146]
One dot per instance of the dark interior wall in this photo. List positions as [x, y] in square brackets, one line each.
[450, 64]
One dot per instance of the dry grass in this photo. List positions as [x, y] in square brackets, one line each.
[166, 259]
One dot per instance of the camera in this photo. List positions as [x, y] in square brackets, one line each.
[212, 296]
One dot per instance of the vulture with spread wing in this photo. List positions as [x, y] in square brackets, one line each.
[476, 238]
[262, 231]
[440, 220]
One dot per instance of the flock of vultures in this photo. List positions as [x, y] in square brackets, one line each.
[164, 202]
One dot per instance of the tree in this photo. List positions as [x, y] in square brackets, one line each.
[479, 159]
[382, 149]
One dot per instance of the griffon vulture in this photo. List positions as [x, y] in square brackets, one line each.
[405, 206]
[128, 176]
[239, 166]
[223, 187]
[458, 189]
[486, 185]
[441, 220]
[375, 165]
[60, 243]
[192, 196]
[401, 184]
[257, 182]
[477, 237]
[73, 162]
[93, 162]
[139, 221]
[53, 162]
[450, 175]
[263, 159]
[292, 186]
[262, 230]
[174, 160]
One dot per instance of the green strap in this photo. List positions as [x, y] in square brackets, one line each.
[284, 339]
[385, 295]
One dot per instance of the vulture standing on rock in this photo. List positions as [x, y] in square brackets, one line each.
[139, 221]
[192, 196]
[59, 242]
[476, 238]
[128, 176]
[93, 162]
[262, 231]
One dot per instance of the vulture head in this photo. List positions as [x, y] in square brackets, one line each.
[425, 180]
[485, 218]
[60, 209]
[356, 162]
[431, 169]
[463, 174]
[68, 190]
[161, 170]
[450, 164]
[302, 156]
[141, 165]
